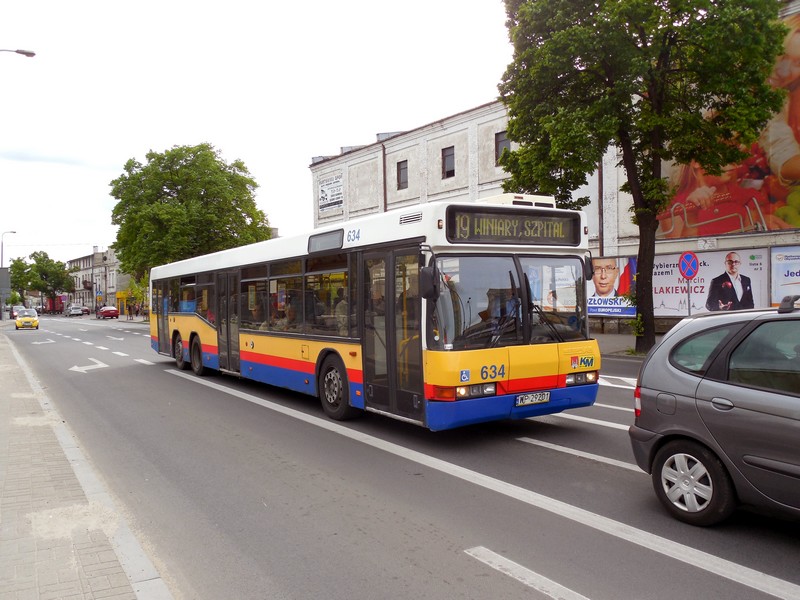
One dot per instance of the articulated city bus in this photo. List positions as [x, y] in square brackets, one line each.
[441, 315]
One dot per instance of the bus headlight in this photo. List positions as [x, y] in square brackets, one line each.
[464, 392]
[582, 378]
[476, 391]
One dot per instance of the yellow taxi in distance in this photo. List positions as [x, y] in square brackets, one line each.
[27, 319]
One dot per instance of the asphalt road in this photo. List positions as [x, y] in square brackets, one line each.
[246, 491]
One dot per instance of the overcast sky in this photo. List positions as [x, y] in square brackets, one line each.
[270, 83]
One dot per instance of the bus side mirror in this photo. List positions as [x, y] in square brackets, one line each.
[429, 283]
[589, 269]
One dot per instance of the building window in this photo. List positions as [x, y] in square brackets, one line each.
[501, 144]
[402, 175]
[448, 162]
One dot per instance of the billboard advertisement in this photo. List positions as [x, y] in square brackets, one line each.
[762, 193]
[612, 278]
[724, 281]
[785, 272]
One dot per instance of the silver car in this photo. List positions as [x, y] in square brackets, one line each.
[718, 414]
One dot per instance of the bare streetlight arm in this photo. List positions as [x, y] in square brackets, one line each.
[28, 53]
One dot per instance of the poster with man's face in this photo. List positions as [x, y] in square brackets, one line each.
[612, 278]
[726, 280]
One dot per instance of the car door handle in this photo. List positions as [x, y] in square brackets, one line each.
[722, 403]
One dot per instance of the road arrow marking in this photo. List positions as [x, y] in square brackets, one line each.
[97, 365]
[47, 341]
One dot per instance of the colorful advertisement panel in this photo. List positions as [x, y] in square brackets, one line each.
[613, 277]
[725, 280]
[762, 193]
[785, 273]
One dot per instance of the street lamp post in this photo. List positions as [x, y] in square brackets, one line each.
[28, 53]
[2, 292]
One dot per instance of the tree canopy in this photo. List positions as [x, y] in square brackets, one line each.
[44, 275]
[662, 80]
[184, 202]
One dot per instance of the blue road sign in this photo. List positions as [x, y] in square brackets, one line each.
[688, 265]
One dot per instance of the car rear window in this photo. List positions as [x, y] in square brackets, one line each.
[694, 354]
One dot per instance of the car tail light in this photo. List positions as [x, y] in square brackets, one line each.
[637, 401]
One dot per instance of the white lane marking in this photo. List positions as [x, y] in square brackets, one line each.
[89, 343]
[540, 583]
[120, 354]
[580, 453]
[627, 383]
[101, 347]
[586, 420]
[97, 365]
[143, 361]
[698, 559]
[625, 408]
[47, 341]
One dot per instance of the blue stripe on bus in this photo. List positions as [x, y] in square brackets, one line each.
[211, 361]
[447, 415]
[293, 380]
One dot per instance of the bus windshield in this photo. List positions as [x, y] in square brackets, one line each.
[492, 301]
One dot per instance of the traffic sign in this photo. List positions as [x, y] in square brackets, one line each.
[688, 265]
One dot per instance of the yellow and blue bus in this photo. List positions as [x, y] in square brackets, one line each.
[442, 315]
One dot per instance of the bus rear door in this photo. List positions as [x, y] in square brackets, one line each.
[228, 321]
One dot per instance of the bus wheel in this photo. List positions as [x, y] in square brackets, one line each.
[334, 391]
[178, 349]
[196, 355]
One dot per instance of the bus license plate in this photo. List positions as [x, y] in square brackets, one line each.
[534, 398]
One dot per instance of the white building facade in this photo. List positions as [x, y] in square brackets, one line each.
[96, 280]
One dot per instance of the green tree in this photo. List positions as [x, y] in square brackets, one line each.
[139, 289]
[182, 203]
[662, 80]
[46, 275]
[19, 272]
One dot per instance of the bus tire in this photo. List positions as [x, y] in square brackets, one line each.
[177, 348]
[334, 391]
[196, 356]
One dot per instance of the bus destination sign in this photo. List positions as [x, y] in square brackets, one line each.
[512, 226]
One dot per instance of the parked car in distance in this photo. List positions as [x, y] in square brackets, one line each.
[717, 414]
[15, 310]
[85, 310]
[74, 311]
[27, 318]
[108, 312]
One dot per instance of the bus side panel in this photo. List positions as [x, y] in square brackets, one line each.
[191, 324]
[291, 363]
[154, 332]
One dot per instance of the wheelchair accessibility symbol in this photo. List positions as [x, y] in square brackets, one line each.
[465, 376]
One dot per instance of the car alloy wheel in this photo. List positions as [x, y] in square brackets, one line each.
[692, 483]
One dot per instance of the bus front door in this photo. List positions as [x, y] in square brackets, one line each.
[228, 321]
[161, 305]
[392, 346]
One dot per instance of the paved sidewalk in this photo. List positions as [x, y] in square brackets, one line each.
[61, 536]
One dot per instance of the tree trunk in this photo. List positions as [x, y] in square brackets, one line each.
[644, 281]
